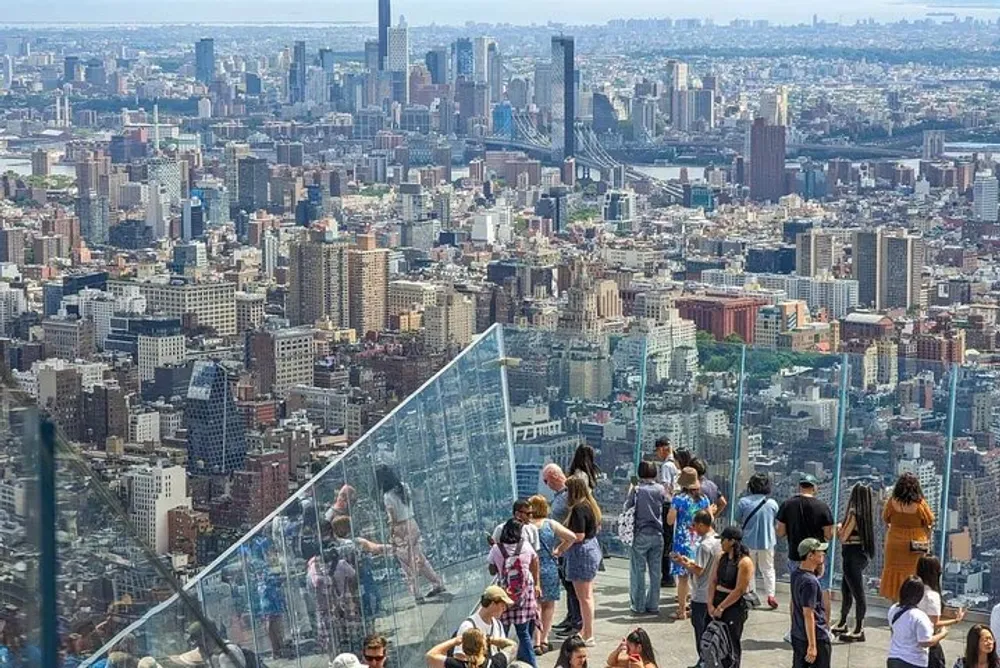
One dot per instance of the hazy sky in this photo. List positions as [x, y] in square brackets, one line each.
[459, 11]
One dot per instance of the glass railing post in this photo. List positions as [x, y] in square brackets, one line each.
[838, 462]
[48, 562]
[737, 436]
[949, 449]
[508, 417]
[640, 407]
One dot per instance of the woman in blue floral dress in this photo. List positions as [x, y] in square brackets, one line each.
[685, 504]
[551, 535]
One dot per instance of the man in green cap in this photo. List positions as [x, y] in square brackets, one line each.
[811, 644]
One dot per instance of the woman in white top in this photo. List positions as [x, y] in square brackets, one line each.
[912, 631]
[929, 572]
[405, 533]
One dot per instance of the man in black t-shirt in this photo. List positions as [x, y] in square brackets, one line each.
[804, 516]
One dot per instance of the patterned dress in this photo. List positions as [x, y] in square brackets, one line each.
[548, 569]
[685, 538]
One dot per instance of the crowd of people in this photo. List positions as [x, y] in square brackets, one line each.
[548, 550]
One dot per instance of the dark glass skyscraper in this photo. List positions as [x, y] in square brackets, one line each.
[563, 97]
[216, 430]
[204, 60]
[437, 64]
[767, 161]
[297, 75]
[464, 58]
[384, 19]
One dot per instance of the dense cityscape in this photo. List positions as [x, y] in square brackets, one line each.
[229, 251]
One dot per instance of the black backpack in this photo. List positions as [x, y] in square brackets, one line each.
[716, 646]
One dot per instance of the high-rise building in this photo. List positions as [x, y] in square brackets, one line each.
[41, 162]
[384, 19]
[211, 305]
[767, 161]
[437, 64]
[563, 97]
[866, 261]
[216, 428]
[252, 182]
[494, 72]
[465, 60]
[815, 253]
[297, 74]
[543, 86]
[232, 153]
[398, 56]
[94, 215]
[317, 280]
[984, 197]
[774, 106]
[451, 322]
[480, 66]
[280, 359]
[368, 278]
[153, 491]
[204, 60]
[902, 264]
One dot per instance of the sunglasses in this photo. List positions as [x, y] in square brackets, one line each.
[371, 659]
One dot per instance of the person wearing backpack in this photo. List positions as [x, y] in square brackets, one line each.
[705, 555]
[475, 651]
[756, 512]
[730, 583]
[515, 563]
[810, 629]
[647, 499]
[912, 630]
[493, 603]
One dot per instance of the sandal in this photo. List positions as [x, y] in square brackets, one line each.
[542, 648]
[679, 615]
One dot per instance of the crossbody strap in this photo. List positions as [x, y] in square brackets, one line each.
[754, 512]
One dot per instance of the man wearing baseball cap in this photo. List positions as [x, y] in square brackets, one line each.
[810, 631]
[492, 604]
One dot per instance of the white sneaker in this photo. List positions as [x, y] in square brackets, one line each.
[589, 642]
[788, 637]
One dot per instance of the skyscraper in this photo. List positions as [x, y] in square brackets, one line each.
[204, 60]
[368, 278]
[900, 271]
[464, 58]
[774, 106]
[252, 179]
[317, 280]
[494, 72]
[297, 74]
[480, 49]
[384, 19]
[437, 64]
[216, 429]
[563, 97]
[767, 161]
[984, 197]
[92, 210]
[866, 258]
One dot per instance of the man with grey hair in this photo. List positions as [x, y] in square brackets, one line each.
[555, 480]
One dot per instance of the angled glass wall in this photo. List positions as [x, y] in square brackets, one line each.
[388, 538]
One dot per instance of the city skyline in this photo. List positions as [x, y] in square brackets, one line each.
[455, 13]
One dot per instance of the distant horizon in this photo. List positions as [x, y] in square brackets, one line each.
[457, 13]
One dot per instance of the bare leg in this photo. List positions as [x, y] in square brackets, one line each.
[682, 596]
[548, 611]
[585, 593]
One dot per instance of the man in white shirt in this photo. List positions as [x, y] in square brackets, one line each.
[667, 478]
[492, 604]
[521, 513]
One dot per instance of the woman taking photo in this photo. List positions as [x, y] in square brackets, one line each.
[857, 539]
[473, 643]
[909, 519]
[756, 513]
[583, 557]
[646, 553]
[980, 649]
[929, 572]
[634, 651]
[912, 633]
[583, 466]
[551, 535]
[405, 534]
[573, 653]
[683, 508]
[730, 581]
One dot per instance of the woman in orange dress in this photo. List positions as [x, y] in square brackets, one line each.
[909, 520]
